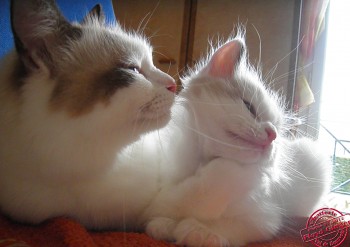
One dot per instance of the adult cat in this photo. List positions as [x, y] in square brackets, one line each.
[231, 172]
[72, 96]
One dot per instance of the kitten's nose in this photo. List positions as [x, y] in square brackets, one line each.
[271, 134]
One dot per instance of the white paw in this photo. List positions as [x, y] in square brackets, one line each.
[161, 228]
[190, 232]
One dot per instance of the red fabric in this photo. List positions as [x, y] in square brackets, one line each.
[62, 232]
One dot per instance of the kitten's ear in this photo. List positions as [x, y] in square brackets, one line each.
[224, 60]
[95, 13]
[38, 27]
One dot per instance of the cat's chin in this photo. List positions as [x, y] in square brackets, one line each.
[155, 120]
[256, 155]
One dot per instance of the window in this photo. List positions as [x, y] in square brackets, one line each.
[334, 132]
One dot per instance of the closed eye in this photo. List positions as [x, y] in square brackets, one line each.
[250, 107]
[134, 69]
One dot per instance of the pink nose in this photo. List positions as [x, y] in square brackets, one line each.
[172, 87]
[271, 134]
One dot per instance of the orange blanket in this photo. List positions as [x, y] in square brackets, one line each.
[62, 232]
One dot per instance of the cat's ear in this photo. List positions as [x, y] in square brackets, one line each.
[95, 13]
[224, 60]
[38, 28]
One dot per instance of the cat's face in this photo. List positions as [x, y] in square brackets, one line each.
[236, 116]
[87, 70]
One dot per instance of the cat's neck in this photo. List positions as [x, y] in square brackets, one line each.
[184, 144]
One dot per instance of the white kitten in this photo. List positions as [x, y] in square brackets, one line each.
[72, 96]
[230, 171]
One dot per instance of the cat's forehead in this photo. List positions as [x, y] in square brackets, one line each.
[212, 88]
[113, 43]
[92, 68]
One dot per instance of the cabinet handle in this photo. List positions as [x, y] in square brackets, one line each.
[170, 61]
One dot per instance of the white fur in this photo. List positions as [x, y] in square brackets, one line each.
[193, 181]
[54, 164]
[224, 189]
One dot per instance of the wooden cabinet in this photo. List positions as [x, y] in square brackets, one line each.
[161, 22]
[180, 31]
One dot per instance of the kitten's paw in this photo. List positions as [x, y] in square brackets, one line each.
[190, 232]
[161, 228]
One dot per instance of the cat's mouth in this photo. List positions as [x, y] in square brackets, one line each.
[157, 109]
[253, 145]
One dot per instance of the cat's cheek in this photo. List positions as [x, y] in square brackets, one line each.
[151, 106]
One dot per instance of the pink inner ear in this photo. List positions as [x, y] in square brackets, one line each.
[224, 60]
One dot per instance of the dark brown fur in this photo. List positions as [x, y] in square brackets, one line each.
[80, 82]
[78, 92]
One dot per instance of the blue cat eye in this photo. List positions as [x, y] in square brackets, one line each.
[135, 69]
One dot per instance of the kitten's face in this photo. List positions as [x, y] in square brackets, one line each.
[88, 70]
[232, 107]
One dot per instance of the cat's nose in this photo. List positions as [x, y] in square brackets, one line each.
[163, 79]
[169, 82]
[172, 87]
[271, 134]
